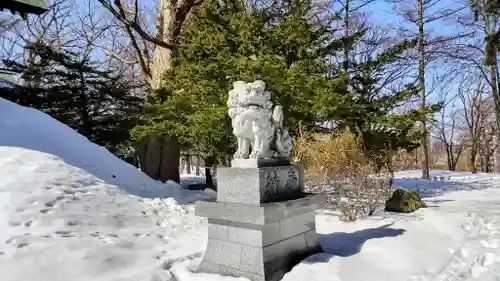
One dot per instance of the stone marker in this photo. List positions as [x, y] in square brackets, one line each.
[262, 223]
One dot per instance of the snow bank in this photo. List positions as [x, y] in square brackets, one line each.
[59, 223]
[31, 129]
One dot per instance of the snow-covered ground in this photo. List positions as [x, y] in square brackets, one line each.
[70, 210]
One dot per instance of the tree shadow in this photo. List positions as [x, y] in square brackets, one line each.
[345, 244]
[438, 201]
[434, 203]
[432, 188]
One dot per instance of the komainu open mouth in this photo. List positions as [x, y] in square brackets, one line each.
[253, 105]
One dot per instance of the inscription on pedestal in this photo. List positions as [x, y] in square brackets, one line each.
[273, 184]
[292, 180]
[277, 184]
[258, 185]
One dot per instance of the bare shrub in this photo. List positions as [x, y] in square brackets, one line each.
[338, 168]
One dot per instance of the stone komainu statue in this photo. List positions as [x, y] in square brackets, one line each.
[257, 123]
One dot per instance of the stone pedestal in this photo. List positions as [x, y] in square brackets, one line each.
[262, 224]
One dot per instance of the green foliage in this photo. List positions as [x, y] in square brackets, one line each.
[372, 115]
[79, 94]
[490, 8]
[292, 52]
[229, 43]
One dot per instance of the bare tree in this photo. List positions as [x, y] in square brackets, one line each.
[159, 157]
[46, 28]
[491, 26]
[488, 143]
[422, 14]
[82, 31]
[375, 40]
[473, 95]
[350, 23]
[171, 15]
[447, 132]
[475, 53]
[8, 22]
[404, 160]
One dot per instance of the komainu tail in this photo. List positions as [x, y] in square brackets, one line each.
[278, 116]
[283, 141]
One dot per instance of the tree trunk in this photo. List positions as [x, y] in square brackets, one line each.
[421, 76]
[208, 177]
[346, 34]
[495, 86]
[149, 157]
[452, 165]
[487, 160]
[472, 161]
[86, 126]
[171, 15]
[197, 169]
[481, 163]
[496, 99]
[171, 152]
[152, 159]
[188, 164]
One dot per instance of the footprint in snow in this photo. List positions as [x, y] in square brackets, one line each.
[51, 204]
[72, 222]
[18, 240]
[45, 211]
[22, 245]
[66, 233]
[105, 238]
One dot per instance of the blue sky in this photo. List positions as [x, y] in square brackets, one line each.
[381, 12]
[385, 13]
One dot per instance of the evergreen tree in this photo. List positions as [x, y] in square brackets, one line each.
[373, 117]
[291, 51]
[80, 94]
[484, 9]
[283, 46]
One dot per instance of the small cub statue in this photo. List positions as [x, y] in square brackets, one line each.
[257, 123]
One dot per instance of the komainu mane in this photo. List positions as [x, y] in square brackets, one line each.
[257, 123]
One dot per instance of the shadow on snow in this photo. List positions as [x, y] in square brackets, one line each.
[432, 188]
[344, 244]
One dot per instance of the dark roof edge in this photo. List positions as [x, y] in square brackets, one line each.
[22, 8]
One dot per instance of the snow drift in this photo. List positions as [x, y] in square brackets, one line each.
[58, 222]
[71, 210]
[31, 129]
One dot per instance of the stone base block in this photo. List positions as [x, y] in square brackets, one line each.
[256, 185]
[256, 267]
[259, 241]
